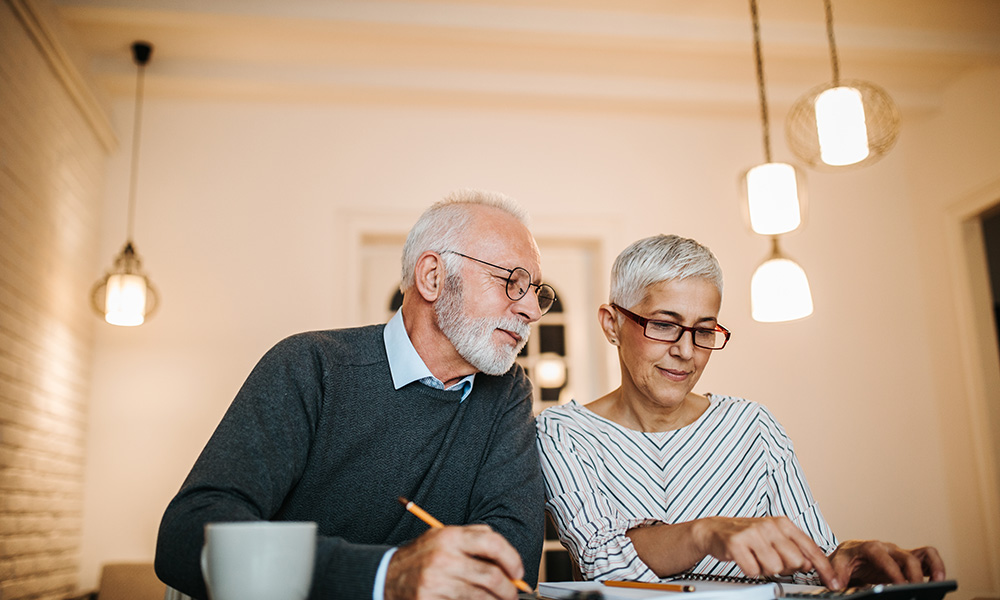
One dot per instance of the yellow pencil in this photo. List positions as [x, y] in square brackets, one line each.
[667, 587]
[424, 516]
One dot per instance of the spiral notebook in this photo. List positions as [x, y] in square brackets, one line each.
[715, 589]
[709, 587]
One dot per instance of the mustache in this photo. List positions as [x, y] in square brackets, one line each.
[522, 329]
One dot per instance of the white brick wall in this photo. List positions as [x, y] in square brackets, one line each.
[52, 151]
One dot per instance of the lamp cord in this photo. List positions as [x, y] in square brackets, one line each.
[133, 179]
[765, 125]
[833, 46]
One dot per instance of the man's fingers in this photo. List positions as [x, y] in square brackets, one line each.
[481, 542]
[490, 578]
[454, 562]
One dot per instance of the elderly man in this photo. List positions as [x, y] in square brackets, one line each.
[334, 426]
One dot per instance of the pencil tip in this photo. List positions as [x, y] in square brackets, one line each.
[403, 500]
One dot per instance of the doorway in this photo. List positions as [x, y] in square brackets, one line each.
[973, 238]
[991, 240]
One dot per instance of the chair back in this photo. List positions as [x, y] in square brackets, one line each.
[130, 581]
[173, 594]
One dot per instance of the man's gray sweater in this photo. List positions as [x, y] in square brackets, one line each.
[317, 433]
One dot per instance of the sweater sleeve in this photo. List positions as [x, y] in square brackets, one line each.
[589, 526]
[508, 494]
[254, 458]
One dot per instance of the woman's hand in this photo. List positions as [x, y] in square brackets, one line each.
[759, 546]
[765, 546]
[871, 561]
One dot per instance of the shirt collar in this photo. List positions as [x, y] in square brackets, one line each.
[406, 366]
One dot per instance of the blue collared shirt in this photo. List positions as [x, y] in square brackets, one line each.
[406, 366]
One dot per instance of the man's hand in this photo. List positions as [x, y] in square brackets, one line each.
[861, 562]
[764, 546]
[470, 562]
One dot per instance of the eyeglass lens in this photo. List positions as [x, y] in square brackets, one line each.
[671, 332]
[518, 284]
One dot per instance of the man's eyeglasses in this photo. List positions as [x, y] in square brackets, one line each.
[665, 331]
[518, 283]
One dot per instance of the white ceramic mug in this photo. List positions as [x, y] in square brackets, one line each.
[259, 560]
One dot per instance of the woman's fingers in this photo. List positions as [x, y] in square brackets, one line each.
[872, 561]
[769, 546]
[931, 561]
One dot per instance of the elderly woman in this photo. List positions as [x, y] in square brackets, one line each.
[654, 480]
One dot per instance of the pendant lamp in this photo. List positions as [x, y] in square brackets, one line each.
[779, 289]
[773, 192]
[843, 123]
[125, 296]
[550, 370]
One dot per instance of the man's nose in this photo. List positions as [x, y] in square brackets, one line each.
[528, 306]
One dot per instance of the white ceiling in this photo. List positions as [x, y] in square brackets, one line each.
[658, 55]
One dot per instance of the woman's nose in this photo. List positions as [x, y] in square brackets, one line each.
[683, 347]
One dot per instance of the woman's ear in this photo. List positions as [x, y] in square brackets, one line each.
[429, 274]
[608, 319]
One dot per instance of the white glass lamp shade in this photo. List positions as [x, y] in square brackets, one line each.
[779, 291]
[125, 300]
[550, 370]
[840, 126]
[772, 196]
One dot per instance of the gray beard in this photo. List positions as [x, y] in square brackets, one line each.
[472, 337]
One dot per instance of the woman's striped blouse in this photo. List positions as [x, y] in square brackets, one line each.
[602, 479]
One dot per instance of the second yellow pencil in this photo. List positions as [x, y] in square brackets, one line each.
[667, 587]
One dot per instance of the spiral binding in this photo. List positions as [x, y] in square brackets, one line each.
[725, 578]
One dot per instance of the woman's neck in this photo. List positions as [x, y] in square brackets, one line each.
[635, 412]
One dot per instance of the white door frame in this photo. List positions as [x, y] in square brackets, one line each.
[979, 354]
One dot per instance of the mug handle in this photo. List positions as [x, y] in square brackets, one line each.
[204, 565]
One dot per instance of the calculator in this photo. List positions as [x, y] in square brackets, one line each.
[928, 590]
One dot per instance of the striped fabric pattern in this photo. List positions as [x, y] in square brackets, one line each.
[602, 479]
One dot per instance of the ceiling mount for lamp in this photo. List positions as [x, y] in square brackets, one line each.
[125, 296]
[845, 123]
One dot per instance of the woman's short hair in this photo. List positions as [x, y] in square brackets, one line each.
[659, 258]
[442, 226]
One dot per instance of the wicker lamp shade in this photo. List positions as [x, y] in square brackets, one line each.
[881, 118]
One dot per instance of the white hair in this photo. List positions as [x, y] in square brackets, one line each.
[659, 258]
[443, 225]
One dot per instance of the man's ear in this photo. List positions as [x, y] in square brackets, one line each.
[608, 319]
[429, 274]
